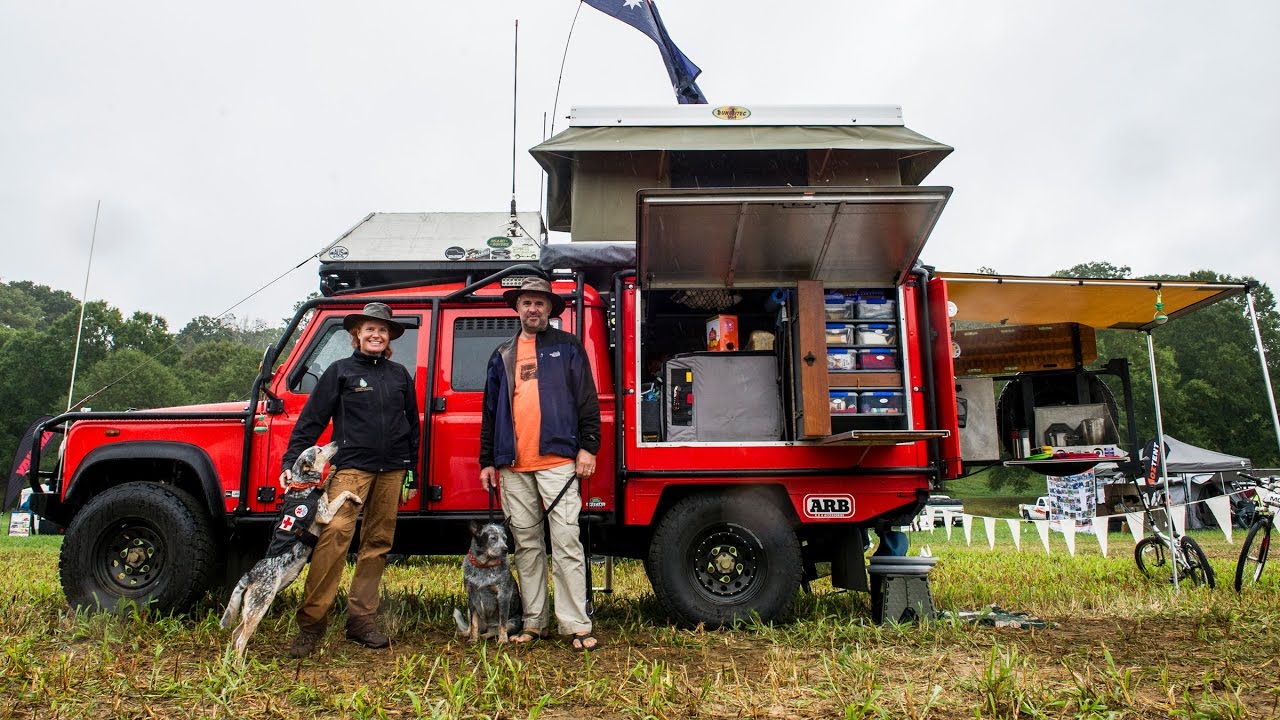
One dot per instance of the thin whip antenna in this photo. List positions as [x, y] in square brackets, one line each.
[542, 177]
[515, 97]
[556, 102]
[84, 297]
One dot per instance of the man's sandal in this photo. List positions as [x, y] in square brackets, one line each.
[526, 636]
[584, 642]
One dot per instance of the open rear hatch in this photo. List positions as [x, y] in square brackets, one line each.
[804, 239]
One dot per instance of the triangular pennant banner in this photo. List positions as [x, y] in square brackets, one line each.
[946, 522]
[1069, 534]
[1134, 521]
[1100, 530]
[1220, 506]
[1015, 529]
[1180, 519]
[966, 522]
[1042, 527]
[989, 523]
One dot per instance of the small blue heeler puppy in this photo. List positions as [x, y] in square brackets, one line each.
[305, 506]
[493, 600]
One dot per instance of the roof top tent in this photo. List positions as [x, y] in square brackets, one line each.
[388, 249]
[746, 201]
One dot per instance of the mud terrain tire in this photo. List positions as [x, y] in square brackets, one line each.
[141, 543]
[717, 559]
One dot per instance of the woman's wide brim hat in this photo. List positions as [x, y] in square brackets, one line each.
[538, 286]
[373, 311]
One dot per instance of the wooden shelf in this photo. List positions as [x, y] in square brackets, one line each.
[888, 379]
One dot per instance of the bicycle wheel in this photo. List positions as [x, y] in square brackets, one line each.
[1198, 569]
[1149, 553]
[1253, 555]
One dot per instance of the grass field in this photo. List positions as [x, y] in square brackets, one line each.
[1120, 646]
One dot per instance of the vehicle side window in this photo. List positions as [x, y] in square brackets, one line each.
[334, 343]
[473, 342]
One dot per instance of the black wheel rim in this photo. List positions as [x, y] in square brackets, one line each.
[130, 558]
[727, 561]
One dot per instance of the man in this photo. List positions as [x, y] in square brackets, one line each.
[540, 434]
[374, 410]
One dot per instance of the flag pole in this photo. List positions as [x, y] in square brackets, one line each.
[1262, 356]
[84, 296]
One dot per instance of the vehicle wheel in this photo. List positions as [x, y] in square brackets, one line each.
[1253, 555]
[716, 559]
[140, 543]
[1150, 555]
[1199, 571]
[1026, 515]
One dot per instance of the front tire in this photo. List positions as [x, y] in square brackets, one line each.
[139, 543]
[1253, 555]
[1199, 571]
[718, 559]
[1150, 556]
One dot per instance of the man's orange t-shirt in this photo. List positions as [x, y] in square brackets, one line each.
[527, 413]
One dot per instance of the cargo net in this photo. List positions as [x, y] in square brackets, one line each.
[707, 299]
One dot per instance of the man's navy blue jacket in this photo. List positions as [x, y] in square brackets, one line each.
[566, 396]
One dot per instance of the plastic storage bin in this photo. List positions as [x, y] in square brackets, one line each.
[880, 402]
[842, 359]
[844, 402]
[839, 334]
[872, 334]
[874, 308]
[838, 308]
[877, 359]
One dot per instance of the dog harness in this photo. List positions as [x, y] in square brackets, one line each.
[293, 523]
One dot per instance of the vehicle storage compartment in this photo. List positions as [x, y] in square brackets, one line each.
[722, 397]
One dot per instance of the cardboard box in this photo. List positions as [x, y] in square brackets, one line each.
[722, 333]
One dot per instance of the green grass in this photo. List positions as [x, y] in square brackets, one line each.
[1122, 646]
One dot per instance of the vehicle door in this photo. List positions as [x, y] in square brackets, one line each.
[323, 344]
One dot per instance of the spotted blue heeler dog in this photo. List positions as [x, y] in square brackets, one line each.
[493, 600]
[303, 516]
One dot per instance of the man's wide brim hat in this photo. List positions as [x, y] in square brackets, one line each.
[535, 285]
[373, 311]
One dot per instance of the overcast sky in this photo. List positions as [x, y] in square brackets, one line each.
[227, 142]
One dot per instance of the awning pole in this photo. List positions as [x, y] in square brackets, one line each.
[1159, 451]
[1262, 357]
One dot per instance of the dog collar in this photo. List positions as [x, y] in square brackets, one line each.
[472, 559]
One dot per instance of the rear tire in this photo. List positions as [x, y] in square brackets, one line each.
[141, 543]
[717, 559]
[1253, 555]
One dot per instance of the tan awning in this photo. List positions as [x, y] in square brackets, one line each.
[1098, 303]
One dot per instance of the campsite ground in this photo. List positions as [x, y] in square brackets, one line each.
[1120, 646]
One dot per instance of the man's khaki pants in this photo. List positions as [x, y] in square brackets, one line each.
[381, 495]
[523, 497]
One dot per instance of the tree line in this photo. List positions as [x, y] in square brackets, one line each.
[1211, 385]
[133, 362]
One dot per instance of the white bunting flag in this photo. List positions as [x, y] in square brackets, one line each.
[1042, 527]
[990, 524]
[966, 522]
[1100, 530]
[1069, 534]
[1134, 521]
[1180, 519]
[1015, 529]
[946, 522]
[1220, 506]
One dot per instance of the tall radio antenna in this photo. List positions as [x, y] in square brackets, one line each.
[84, 297]
[515, 98]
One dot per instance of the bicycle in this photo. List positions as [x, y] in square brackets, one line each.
[1151, 553]
[1257, 544]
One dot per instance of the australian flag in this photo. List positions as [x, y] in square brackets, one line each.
[643, 16]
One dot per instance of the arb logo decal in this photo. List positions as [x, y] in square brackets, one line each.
[828, 506]
[731, 112]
